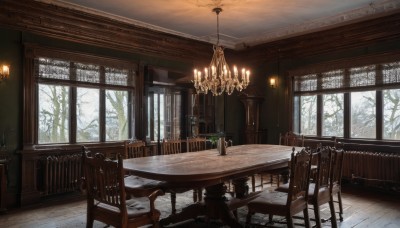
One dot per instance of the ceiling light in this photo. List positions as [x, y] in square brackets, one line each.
[217, 77]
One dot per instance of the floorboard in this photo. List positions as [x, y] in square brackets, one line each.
[362, 208]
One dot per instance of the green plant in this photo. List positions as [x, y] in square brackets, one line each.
[213, 140]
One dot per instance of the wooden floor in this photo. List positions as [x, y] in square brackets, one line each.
[362, 208]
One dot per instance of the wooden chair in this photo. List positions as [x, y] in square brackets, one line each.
[336, 178]
[291, 203]
[291, 139]
[326, 184]
[106, 197]
[194, 145]
[319, 192]
[171, 146]
[287, 139]
[134, 185]
[135, 149]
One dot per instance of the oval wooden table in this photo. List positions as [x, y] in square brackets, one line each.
[209, 170]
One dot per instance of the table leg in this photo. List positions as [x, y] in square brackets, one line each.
[189, 212]
[214, 207]
[241, 187]
[217, 208]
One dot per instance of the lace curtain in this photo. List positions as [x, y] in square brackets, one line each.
[56, 69]
[381, 75]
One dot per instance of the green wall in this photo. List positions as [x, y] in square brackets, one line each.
[11, 104]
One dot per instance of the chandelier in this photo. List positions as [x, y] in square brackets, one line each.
[217, 77]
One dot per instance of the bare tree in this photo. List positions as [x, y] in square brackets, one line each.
[53, 113]
[118, 112]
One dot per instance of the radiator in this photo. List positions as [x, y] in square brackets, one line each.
[62, 173]
[372, 166]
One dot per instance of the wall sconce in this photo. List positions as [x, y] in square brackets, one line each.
[4, 72]
[273, 82]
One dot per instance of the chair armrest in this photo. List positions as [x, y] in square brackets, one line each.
[153, 196]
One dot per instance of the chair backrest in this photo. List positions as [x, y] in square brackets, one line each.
[324, 162]
[300, 165]
[291, 139]
[195, 144]
[337, 166]
[171, 146]
[104, 180]
[135, 149]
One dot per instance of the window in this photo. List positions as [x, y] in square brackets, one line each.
[88, 115]
[361, 97]
[333, 105]
[164, 114]
[309, 115]
[363, 117]
[391, 114]
[53, 114]
[82, 99]
[117, 115]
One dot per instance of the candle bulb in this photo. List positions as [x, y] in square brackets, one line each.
[213, 71]
[247, 76]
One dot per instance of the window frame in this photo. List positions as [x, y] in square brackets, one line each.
[346, 64]
[31, 84]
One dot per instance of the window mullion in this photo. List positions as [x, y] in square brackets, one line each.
[102, 107]
[347, 106]
[379, 103]
[319, 106]
[151, 95]
[73, 109]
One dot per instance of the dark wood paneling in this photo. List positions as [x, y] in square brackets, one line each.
[72, 25]
[360, 34]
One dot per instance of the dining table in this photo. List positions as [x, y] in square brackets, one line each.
[207, 169]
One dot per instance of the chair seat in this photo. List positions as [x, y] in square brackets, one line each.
[323, 191]
[139, 186]
[270, 201]
[138, 206]
[275, 203]
[135, 207]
